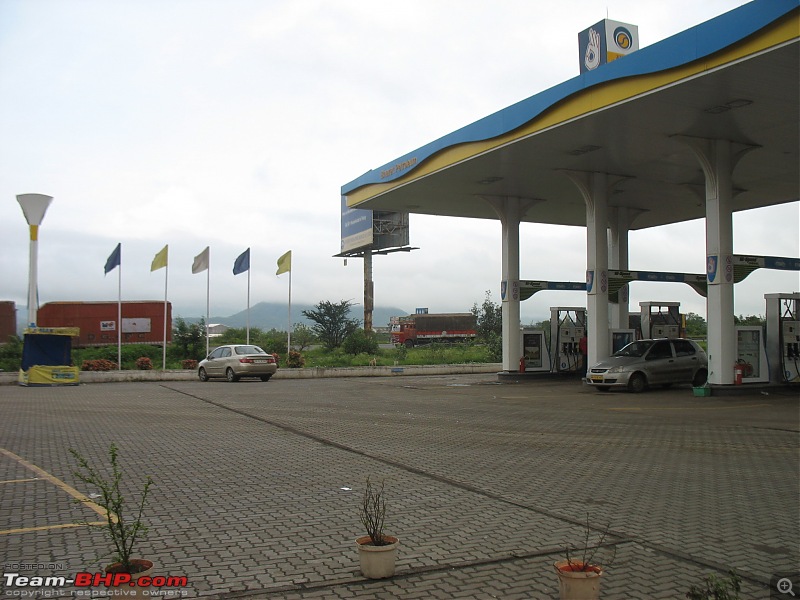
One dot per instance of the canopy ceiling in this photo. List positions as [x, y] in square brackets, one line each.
[737, 81]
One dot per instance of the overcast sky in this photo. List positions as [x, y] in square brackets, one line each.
[234, 124]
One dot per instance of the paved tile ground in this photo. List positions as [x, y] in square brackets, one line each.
[257, 485]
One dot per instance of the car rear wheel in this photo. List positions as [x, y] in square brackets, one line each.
[231, 376]
[265, 377]
[637, 383]
[700, 378]
[202, 374]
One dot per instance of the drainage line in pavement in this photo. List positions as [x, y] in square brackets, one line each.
[622, 537]
[409, 573]
[399, 465]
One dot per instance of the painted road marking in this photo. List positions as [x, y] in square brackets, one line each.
[42, 474]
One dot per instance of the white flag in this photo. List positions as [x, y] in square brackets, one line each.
[200, 262]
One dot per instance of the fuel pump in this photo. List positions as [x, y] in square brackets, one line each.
[783, 337]
[567, 327]
[620, 338]
[660, 319]
[535, 356]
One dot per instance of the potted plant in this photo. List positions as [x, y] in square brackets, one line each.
[124, 526]
[579, 575]
[377, 551]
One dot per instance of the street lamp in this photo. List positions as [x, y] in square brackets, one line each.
[33, 207]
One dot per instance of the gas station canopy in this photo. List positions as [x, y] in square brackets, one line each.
[734, 77]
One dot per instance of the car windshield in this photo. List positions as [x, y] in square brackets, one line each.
[637, 349]
[248, 350]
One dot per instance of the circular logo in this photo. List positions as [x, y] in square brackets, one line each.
[623, 38]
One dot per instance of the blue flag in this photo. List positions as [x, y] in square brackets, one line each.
[114, 260]
[242, 263]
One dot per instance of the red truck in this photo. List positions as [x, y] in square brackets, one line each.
[427, 328]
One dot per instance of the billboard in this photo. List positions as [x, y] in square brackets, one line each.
[606, 41]
[377, 230]
[356, 227]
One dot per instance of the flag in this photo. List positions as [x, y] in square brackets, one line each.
[160, 260]
[200, 262]
[242, 263]
[114, 259]
[284, 263]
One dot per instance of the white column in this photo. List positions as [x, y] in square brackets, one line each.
[618, 260]
[717, 159]
[595, 187]
[510, 210]
[34, 207]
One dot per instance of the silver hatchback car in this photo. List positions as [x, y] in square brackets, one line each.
[237, 360]
[651, 362]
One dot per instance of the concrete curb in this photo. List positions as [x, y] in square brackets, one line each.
[311, 373]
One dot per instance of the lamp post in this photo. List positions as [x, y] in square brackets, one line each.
[33, 207]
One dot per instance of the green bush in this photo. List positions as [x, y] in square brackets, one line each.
[360, 342]
[11, 354]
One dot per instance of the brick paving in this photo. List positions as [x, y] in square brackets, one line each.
[257, 485]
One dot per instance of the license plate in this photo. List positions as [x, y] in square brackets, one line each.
[259, 361]
[597, 378]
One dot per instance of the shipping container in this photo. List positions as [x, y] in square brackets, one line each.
[8, 320]
[142, 321]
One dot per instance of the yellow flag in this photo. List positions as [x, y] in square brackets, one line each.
[160, 261]
[284, 263]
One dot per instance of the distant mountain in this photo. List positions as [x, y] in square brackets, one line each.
[273, 315]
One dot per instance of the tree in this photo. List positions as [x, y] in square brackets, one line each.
[696, 326]
[190, 339]
[489, 323]
[331, 322]
[489, 318]
[302, 337]
[750, 320]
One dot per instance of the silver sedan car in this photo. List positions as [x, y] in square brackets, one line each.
[237, 360]
[651, 362]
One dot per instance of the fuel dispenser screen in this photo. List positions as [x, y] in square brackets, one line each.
[532, 349]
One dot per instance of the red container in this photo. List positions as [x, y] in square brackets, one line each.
[142, 321]
[8, 320]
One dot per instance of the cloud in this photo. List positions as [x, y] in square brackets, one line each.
[234, 124]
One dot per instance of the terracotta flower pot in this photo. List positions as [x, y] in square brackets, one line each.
[143, 568]
[575, 583]
[377, 562]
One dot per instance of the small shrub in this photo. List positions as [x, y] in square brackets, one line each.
[717, 588]
[143, 363]
[189, 364]
[373, 512]
[98, 364]
[295, 360]
[401, 353]
[124, 524]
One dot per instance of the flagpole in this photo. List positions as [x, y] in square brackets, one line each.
[208, 299]
[164, 352]
[289, 324]
[119, 317]
[248, 306]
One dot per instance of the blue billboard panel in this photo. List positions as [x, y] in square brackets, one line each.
[356, 227]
